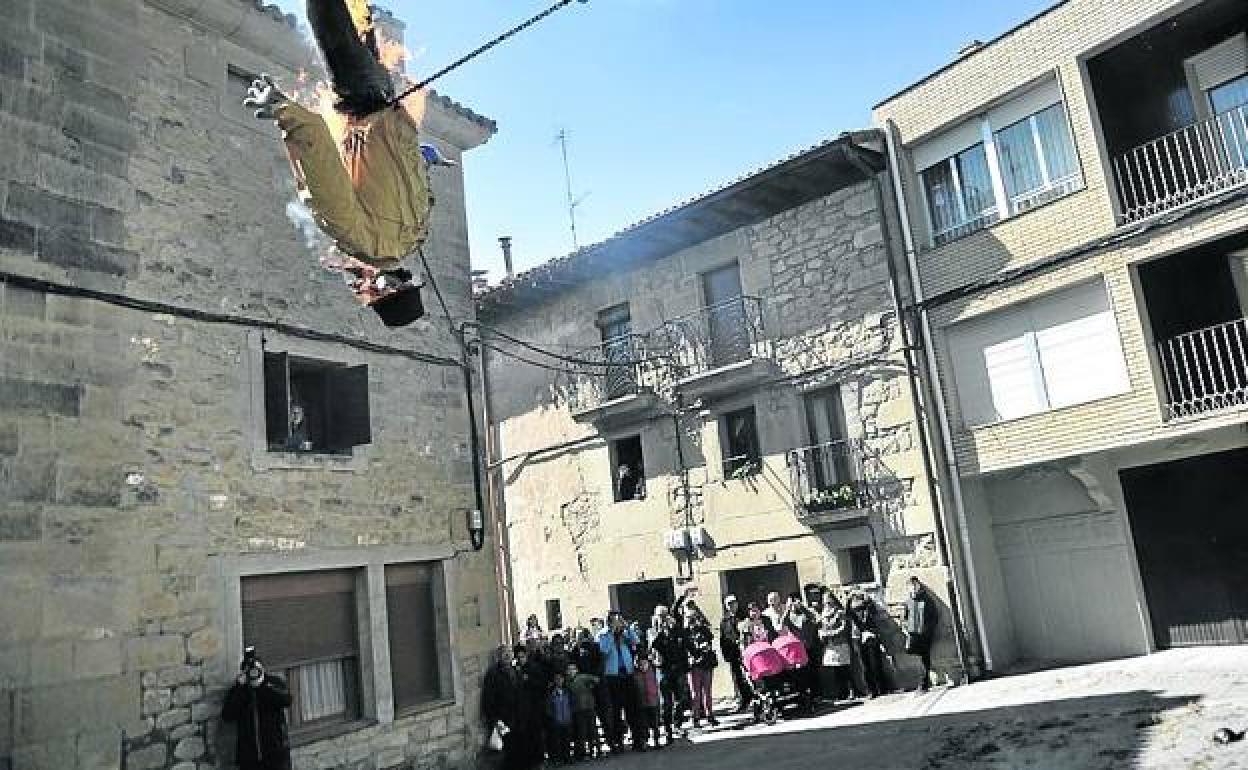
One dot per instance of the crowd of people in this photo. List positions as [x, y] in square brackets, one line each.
[585, 692]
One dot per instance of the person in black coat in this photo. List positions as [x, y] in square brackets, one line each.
[669, 651]
[803, 624]
[506, 698]
[730, 648]
[257, 704]
[921, 618]
[866, 632]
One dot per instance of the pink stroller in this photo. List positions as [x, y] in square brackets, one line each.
[773, 669]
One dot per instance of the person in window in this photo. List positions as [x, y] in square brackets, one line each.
[617, 644]
[730, 648]
[921, 616]
[866, 633]
[632, 486]
[700, 643]
[298, 440]
[257, 704]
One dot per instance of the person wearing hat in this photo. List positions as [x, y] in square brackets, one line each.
[257, 704]
[730, 647]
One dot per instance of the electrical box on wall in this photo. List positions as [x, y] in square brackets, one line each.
[676, 539]
[698, 537]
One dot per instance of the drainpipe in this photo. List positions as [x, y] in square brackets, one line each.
[925, 450]
[497, 510]
[935, 394]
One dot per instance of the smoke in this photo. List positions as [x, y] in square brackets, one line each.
[301, 217]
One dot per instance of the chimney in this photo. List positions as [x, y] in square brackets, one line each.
[504, 241]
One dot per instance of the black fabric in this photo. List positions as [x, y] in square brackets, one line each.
[674, 690]
[700, 643]
[400, 308]
[730, 636]
[623, 708]
[259, 714]
[361, 82]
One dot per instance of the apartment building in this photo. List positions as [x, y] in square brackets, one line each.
[730, 408]
[1074, 198]
[205, 442]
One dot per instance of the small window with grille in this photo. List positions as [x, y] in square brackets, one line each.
[303, 626]
[315, 406]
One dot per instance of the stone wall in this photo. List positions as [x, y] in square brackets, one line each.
[134, 475]
[820, 269]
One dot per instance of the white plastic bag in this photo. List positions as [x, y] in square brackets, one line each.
[495, 741]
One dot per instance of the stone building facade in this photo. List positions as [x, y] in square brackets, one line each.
[1084, 301]
[155, 301]
[741, 353]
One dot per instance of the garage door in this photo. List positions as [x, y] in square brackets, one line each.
[1068, 582]
[1190, 520]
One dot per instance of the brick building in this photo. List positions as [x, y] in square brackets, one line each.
[733, 410]
[160, 502]
[1074, 199]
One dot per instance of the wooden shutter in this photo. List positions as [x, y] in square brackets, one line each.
[277, 398]
[300, 617]
[413, 619]
[349, 419]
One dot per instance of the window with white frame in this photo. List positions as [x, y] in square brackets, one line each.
[1054, 351]
[1014, 157]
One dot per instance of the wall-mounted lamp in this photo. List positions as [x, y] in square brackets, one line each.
[476, 528]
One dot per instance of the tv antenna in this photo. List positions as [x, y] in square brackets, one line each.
[562, 140]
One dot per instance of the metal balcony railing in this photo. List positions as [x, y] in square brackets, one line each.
[1183, 167]
[1206, 370]
[828, 477]
[719, 335]
[614, 368]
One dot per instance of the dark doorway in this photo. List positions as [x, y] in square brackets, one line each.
[637, 600]
[752, 584]
[1190, 521]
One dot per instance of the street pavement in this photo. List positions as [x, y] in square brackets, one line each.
[1157, 711]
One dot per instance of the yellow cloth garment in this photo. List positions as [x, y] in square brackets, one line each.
[372, 195]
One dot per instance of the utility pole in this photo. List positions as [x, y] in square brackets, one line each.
[562, 139]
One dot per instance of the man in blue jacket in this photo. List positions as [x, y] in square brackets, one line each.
[617, 643]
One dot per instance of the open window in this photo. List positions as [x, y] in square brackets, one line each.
[628, 469]
[315, 406]
[739, 436]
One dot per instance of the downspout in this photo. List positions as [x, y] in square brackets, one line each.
[497, 511]
[916, 404]
[935, 394]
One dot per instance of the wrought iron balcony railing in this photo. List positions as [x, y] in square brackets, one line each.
[1196, 162]
[719, 335]
[827, 478]
[1206, 370]
[618, 367]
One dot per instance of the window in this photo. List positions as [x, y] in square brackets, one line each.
[741, 452]
[554, 615]
[727, 324]
[628, 469]
[856, 565]
[830, 455]
[615, 324]
[959, 195]
[1055, 351]
[415, 612]
[1016, 156]
[315, 406]
[1037, 159]
[303, 626]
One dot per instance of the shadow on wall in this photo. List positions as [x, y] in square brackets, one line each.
[1108, 731]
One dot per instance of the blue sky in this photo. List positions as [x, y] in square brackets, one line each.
[665, 99]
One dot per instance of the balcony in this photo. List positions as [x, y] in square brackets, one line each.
[1205, 371]
[616, 380]
[722, 348]
[1184, 167]
[828, 483]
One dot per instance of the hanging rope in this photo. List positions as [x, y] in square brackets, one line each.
[477, 52]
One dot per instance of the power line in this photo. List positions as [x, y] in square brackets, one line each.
[152, 306]
[561, 357]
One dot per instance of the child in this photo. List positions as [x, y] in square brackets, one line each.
[584, 731]
[648, 697]
[559, 712]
